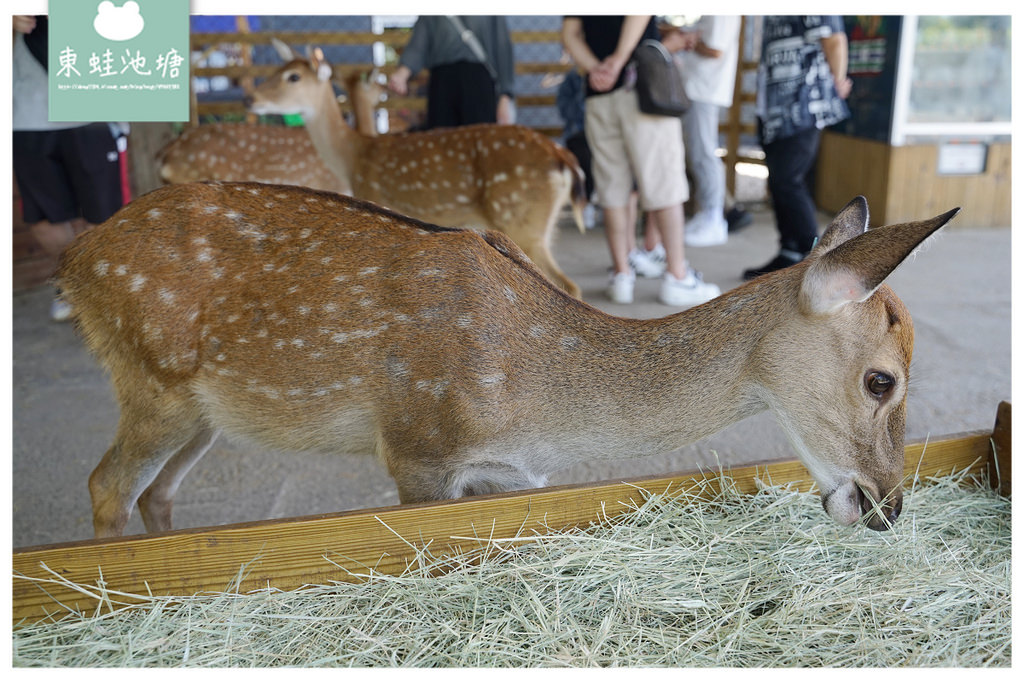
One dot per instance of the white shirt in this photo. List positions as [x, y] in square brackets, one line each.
[710, 79]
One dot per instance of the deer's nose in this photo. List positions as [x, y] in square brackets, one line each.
[881, 515]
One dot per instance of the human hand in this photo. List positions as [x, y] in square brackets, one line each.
[506, 110]
[399, 81]
[843, 87]
[24, 23]
[602, 77]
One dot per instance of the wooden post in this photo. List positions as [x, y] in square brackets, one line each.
[999, 462]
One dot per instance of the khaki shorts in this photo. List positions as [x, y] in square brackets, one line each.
[628, 144]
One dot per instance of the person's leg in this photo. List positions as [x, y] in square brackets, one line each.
[700, 132]
[789, 161]
[613, 180]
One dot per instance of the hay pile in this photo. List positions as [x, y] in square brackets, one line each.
[744, 581]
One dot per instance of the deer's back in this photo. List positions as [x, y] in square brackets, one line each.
[238, 152]
[467, 171]
[283, 292]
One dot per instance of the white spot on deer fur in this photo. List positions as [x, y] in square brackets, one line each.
[137, 282]
[101, 268]
[298, 343]
[330, 307]
[510, 294]
[537, 331]
[369, 270]
[232, 215]
[204, 256]
[121, 270]
[221, 357]
[303, 310]
[569, 343]
[279, 343]
[462, 199]
[499, 178]
[166, 295]
[233, 318]
[211, 209]
[430, 272]
[342, 337]
[491, 380]
[464, 320]
[267, 267]
[304, 233]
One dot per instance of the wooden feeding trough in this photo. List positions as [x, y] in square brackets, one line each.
[289, 553]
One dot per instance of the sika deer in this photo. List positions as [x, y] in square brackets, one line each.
[261, 152]
[508, 178]
[308, 320]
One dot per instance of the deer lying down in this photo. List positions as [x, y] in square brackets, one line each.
[309, 320]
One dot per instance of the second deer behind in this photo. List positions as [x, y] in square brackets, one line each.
[507, 178]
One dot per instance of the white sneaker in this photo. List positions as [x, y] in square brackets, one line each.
[706, 229]
[589, 217]
[620, 288]
[648, 263]
[690, 291]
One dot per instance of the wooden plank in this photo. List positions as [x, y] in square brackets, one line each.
[999, 463]
[318, 549]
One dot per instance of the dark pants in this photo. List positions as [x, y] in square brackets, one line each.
[460, 94]
[577, 144]
[66, 173]
[790, 163]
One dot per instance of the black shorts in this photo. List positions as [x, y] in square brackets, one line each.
[63, 174]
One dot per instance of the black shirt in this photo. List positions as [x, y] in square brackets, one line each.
[601, 33]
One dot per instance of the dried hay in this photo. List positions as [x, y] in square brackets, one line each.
[762, 580]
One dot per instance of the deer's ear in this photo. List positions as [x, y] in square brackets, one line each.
[851, 221]
[283, 51]
[323, 69]
[853, 269]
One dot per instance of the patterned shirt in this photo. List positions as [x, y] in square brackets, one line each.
[795, 89]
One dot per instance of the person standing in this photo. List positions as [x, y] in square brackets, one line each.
[709, 76]
[465, 87]
[68, 174]
[802, 86]
[628, 144]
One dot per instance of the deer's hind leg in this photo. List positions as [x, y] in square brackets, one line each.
[158, 428]
[531, 224]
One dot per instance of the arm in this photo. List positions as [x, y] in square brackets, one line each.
[413, 57]
[576, 45]
[837, 54]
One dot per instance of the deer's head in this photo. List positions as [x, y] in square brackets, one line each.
[298, 87]
[836, 373]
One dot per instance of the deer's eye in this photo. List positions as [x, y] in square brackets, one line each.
[878, 383]
[293, 77]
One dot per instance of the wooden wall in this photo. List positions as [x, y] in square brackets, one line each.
[903, 184]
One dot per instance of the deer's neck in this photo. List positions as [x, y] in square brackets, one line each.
[650, 386]
[337, 144]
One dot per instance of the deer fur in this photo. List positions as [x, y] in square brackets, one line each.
[307, 320]
[507, 178]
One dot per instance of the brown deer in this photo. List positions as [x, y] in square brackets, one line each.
[508, 178]
[308, 320]
[261, 152]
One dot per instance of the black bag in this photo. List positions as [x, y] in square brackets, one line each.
[659, 86]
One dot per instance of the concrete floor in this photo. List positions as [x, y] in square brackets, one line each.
[64, 415]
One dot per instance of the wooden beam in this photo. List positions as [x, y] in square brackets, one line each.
[999, 462]
[318, 549]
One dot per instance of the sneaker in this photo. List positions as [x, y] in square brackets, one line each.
[60, 310]
[784, 259]
[690, 291]
[620, 288]
[707, 229]
[738, 218]
[648, 263]
[589, 216]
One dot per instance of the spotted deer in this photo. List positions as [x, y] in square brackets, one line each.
[306, 320]
[262, 152]
[507, 178]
